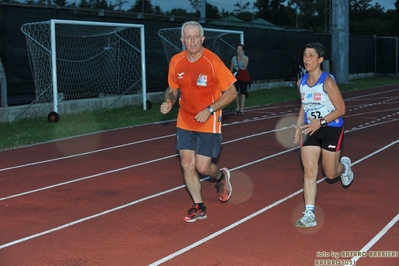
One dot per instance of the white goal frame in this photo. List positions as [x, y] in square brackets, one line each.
[176, 44]
[53, 45]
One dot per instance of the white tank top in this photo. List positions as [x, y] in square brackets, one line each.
[315, 100]
[239, 65]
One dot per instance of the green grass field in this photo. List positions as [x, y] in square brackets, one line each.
[32, 131]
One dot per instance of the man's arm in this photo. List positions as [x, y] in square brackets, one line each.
[171, 95]
[227, 97]
[170, 100]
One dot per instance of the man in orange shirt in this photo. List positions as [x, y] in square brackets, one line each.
[206, 86]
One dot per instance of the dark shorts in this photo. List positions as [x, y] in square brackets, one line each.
[241, 87]
[207, 144]
[328, 138]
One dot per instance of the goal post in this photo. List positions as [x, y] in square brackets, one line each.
[220, 41]
[75, 60]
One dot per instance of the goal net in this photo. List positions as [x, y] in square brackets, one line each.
[220, 41]
[73, 60]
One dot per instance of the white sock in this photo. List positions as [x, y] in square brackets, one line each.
[309, 208]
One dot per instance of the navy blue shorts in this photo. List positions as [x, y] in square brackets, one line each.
[328, 138]
[207, 144]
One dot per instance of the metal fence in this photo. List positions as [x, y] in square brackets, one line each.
[275, 54]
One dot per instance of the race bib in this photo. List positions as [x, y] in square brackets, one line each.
[316, 113]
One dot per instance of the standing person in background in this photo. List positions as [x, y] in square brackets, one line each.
[320, 129]
[240, 61]
[206, 86]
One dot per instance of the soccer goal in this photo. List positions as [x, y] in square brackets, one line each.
[220, 41]
[75, 60]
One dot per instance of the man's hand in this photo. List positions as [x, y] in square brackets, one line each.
[166, 106]
[202, 116]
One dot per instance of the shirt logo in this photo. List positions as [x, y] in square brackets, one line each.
[317, 96]
[180, 75]
[202, 80]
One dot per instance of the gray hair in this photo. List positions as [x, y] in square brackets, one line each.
[191, 23]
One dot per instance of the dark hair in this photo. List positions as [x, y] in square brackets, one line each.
[319, 48]
[242, 45]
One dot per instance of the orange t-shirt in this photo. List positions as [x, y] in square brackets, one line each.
[201, 83]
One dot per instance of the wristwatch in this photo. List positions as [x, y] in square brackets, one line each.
[210, 109]
[323, 122]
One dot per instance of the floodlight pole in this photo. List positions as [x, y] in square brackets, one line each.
[203, 11]
[340, 40]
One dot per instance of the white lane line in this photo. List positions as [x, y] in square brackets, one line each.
[225, 229]
[169, 191]
[371, 94]
[84, 153]
[171, 135]
[122, 206]
[118, 146]
[88, 218]
[129, 167]
[377, 237]
[159, 194]
[87, 177]
[245, 219]
[378, 151]
[164, 158]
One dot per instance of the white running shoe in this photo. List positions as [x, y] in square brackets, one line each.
[308, 219]
[347, 175]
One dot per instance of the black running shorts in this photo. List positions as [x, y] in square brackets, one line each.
[328, 138]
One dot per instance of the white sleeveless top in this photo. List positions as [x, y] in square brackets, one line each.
[315, 100]
[240, 63]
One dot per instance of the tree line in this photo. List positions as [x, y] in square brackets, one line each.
[315, 15]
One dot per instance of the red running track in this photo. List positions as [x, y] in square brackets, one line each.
[117, 197]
